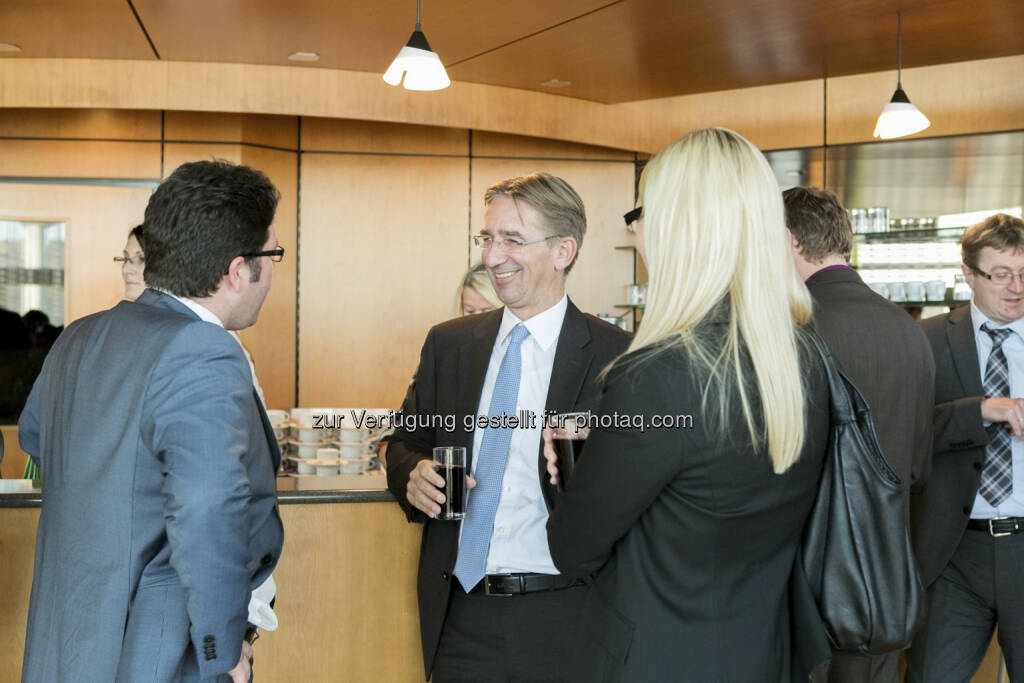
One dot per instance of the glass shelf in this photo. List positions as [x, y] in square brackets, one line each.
[921, 235]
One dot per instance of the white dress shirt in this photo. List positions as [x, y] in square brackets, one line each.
[519, 540]
[1013, 349]
[261, 615]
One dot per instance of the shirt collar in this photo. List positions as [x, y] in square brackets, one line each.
[978, 319]
[544, 327]
[203, 312]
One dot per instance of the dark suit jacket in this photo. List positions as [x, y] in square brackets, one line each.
[449, 381]
[884, 352]
[693, 537]
[940, 509]
[159, 498]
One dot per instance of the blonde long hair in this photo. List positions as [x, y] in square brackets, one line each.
[714, 227]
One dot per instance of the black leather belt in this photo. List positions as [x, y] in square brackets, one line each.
[998, 526]
[517, 584]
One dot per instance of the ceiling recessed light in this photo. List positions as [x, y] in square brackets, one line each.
[9, 47]
[304, 56]
[556, 83]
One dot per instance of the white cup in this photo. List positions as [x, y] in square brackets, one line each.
[351, 435]
[915, 291]
[935, 290]
[897, 291]
[303, 467]
[327, 456]
[351, 451]
[326, 470]
[880, 288]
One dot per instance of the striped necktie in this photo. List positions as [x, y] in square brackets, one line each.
[997, 474]
[490, 469]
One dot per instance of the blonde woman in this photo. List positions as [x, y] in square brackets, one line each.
[692, 527]
[476, 293]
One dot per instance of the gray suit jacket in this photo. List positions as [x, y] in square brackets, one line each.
[940, 509]
[159, 499]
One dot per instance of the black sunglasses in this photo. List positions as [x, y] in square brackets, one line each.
[275, 254]
[632, 216]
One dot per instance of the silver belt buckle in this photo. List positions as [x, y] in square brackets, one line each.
[992, 530]
[487, 585]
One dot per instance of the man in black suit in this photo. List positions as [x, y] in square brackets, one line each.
[967, 519]
[881, 349]
[492, 605]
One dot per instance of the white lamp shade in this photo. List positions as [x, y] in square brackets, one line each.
[423, 70]
[899, 119]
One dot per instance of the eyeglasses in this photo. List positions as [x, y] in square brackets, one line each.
[509, 244]
[633, 215]
[134, 260]
[1002, 278]
[275, 254]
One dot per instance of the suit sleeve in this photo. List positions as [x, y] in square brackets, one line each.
[621, 472]
[28, 424]
[407, 447]
[196, 413]
[921, 458]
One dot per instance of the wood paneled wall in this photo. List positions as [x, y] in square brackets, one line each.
[968, 97]
[387, 211]
[376, 239]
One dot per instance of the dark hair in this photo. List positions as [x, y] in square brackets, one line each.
[553, 198]
[136, 232]
[999, 231]
[819, 223]
[199, 219]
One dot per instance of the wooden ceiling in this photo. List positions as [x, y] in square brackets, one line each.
[611, 51]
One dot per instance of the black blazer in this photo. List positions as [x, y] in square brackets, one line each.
[887, 356]
[693, 537]
[939, 510]
[449, 381]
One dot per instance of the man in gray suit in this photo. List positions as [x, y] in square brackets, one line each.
[881, 349]
[159, 500]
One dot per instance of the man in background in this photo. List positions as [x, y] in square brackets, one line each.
[493, 607]
[968, 518]
[881, 349]
[159, 503]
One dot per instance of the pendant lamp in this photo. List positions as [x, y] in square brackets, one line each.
[899, 117]
[421, 66]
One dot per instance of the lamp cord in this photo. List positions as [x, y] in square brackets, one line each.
[417, 15]
[899, 44]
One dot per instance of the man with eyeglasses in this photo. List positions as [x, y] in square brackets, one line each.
[159, 495]
[968, 517]
[492, 604]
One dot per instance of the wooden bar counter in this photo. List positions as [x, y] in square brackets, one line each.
[346, 589]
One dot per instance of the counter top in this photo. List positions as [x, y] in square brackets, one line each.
[28, 500]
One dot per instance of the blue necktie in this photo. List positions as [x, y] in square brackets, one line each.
[490, 469]
[997, 475]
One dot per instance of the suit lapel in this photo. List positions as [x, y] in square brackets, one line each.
[964, 349]
[573, 358]
[474, 356]
[268, 431]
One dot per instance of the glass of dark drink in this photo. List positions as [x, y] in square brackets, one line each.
[450, 463]
[570, 437]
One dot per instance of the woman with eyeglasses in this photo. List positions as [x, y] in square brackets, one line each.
[133, 264]
[690, 529]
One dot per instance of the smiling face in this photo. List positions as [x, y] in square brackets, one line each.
[132, 270]
[1001, 303]
[529, 279]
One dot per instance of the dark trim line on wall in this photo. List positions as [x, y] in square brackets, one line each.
[163, 128]
[382, 154]
[53, 139]
[469, 198]
[256, 145]
[298, 251]
[161, 141]
[596, 160]
[150, 183]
